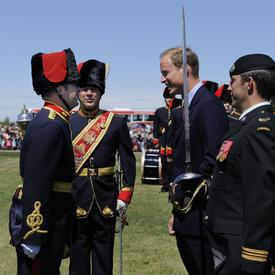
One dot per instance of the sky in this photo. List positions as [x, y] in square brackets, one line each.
[129, 35]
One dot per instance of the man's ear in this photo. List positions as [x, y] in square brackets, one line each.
[189, 70]
[250, 86]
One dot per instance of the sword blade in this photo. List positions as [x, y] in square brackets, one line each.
[185, 98]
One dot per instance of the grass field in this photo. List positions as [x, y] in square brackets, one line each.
[147, 248]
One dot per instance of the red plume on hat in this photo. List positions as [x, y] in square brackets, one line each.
[93, 73]
[223, 93]
[53, 69]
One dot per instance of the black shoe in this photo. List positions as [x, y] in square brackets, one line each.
[164, 189]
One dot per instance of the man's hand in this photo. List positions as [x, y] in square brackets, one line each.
[169, 159]
[171, 231]
[121, 209]
[31, 250]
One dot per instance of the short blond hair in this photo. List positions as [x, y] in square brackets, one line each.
[176, 56]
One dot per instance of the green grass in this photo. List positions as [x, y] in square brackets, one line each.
[147, 248]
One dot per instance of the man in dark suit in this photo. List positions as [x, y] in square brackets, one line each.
[98, 135]
[241, 206]
[162, 120]
[208, 123]
[47, 167]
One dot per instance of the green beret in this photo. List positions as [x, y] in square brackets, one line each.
[252, 62]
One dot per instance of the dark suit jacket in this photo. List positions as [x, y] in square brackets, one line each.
[208, 123]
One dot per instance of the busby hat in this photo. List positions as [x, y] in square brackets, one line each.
[223, 93]
[211, 85]
[252, 62]
[53, 69]
[93, 73]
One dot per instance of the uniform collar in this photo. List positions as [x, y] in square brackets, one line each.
[254, 110]
[89, 115]
[59, 110]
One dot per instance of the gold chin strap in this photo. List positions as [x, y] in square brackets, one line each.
[188, 207]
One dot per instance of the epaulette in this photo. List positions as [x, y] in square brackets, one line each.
[263, 126]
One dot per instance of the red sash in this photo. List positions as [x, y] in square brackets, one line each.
[89, 138]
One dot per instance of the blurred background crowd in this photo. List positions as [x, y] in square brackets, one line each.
[11, 137]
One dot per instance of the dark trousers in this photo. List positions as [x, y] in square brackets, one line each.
[41, 265]
[95, 237]
[195, 254]
[166, 172]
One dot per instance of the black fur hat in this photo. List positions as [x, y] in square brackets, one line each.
[166, 93]
[93, 73]
[53, 69]
[211, 85]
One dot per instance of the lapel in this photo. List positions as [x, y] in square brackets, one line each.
[191, 108]
[196, 98]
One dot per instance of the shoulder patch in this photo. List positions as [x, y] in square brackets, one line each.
[263, 129]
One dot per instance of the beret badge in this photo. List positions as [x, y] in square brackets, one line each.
[232, 68]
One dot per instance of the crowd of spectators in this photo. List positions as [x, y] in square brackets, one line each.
[142, 136]
[11, 137]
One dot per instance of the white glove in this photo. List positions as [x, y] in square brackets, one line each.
[31, 250]
[121, 207]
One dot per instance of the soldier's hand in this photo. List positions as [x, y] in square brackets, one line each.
[171, 231]
[121, 209]
[169, 159]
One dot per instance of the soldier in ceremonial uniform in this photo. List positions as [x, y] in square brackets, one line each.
[98, 135]
[161, 125]
[47, 167]
[241, 205]
[208, 123]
